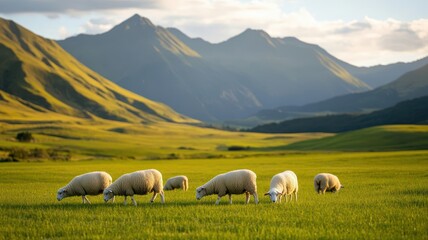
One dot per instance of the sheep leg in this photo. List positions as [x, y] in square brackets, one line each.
[87, 200]
[112, 200]
[133, 201]
[280, 197]
[83, 199]
[295, 196]
[230, 198]
[247, 197]
[256, 198]
[218, 200]
[124, 203]
[153, 197]
[162, 197]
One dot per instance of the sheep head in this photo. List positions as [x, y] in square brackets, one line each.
[200, 192]
[273, 194]
[108, 194]
[61, 194]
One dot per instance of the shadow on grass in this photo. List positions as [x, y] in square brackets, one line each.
[80, 206]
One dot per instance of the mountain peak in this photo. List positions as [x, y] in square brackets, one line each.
[137, 21]
[249, 32]
[252, 37]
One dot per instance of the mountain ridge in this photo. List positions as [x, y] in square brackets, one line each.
[413, 111]
[212, 82]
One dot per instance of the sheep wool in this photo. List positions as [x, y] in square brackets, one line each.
[326, 182]
[234, 182]
[92, 183]
[281, 184]
[140, 182]
[179, 182]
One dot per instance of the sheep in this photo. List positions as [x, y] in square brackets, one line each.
[139, 182]
[233, 182]
[177, 182]
[284, 183]
[92, 183]
[326, 182]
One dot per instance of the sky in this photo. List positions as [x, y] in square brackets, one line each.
[361, 32]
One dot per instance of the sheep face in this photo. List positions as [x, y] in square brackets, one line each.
[273, 195]
[61, 194]
[108, 194]
[200, 193]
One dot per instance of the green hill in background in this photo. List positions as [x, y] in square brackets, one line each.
[408, 112]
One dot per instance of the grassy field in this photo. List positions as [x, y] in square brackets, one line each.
[385, 197]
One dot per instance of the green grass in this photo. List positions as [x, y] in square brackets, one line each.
[385, 197]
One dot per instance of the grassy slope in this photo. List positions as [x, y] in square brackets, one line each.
[95, 139]
[383, 138]
[384, 198]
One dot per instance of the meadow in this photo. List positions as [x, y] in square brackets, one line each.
[385, 197]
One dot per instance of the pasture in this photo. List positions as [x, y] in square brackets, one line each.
[385, 197]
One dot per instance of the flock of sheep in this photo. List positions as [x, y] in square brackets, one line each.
[233, 182]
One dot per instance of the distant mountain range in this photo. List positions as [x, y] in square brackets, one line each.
[39, 80]
[410, 85]
[408, 112]
[232, 79]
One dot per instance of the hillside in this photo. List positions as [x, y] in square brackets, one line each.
[383, 138]
[232, 79]
[411, 85]
[38, 79]
[408, 112]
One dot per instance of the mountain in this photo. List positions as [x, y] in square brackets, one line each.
[38, 78]
[380, 75]
[411, 85]
[232, 79]
[151, 61]
[408, 112]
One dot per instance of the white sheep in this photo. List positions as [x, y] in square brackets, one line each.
[326, 182]
[177, 182]
[284, 183]
[139, 182]
[92, 183]
[234, 182]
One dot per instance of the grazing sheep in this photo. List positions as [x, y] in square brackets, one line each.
[234, 182]
[326, 182]
[177, 182]
[284, 183]
[139, 182]
[92, 183]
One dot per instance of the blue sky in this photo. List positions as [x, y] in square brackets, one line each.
[364, 32]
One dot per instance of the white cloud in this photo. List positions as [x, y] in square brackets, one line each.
[98, 25]
[63, 32]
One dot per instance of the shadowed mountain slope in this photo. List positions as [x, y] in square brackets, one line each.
[411, 85]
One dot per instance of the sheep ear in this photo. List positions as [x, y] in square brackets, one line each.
[266, 194]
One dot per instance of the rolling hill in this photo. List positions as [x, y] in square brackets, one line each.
[39, 80]
[381, 138]
[408, 112]
[411, 85]
[232, 79]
